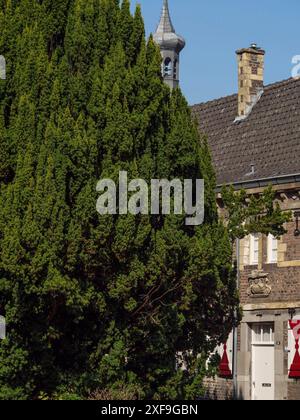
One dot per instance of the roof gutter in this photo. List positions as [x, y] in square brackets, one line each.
[262, 182]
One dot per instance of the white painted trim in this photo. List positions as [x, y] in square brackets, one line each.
[253, 239]
[254, 349]
[270, 259]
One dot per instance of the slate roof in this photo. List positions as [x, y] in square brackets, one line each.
[269, 139]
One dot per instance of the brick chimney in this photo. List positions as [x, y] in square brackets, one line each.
[251, 78]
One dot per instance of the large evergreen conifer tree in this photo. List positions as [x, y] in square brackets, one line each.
[100, 302]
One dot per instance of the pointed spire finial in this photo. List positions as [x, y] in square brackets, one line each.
[170, 45]
[165, 25]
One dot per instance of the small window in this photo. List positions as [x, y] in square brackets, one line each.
[262, 333]
[168, 67]
[254, 249]
[272, 249]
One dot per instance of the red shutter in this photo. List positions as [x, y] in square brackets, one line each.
[295, 367]
[224, 368]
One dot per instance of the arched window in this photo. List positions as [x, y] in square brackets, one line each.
[175, 69]
[168, 67]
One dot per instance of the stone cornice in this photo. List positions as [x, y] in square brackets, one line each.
[271, 306]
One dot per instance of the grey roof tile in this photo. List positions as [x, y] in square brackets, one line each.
[269, 139]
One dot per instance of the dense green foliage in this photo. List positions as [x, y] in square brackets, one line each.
[246, 214]
[96, 303]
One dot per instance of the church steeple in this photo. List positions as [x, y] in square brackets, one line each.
[165, 25]
[170, 45]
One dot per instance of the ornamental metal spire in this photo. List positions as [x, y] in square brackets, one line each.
[165, 25]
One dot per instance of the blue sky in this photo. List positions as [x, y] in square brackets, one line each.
[215, 29]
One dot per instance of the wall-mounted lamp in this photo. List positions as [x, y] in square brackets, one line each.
[297, 217]
[292, 313]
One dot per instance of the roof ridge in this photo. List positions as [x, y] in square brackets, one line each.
[281, 82]
[215, 100]
[266, 87]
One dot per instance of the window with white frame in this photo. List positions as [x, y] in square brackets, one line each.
[272, 249]
[254, 249]
[263, 334]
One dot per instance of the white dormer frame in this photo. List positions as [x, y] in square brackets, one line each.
[272, 249]
[254, 248]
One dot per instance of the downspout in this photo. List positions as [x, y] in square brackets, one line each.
[235, 330]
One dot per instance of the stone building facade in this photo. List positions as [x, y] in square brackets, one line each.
[270, 295]
[254, 147]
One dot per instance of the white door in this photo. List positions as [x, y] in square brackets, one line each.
[263, 363]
